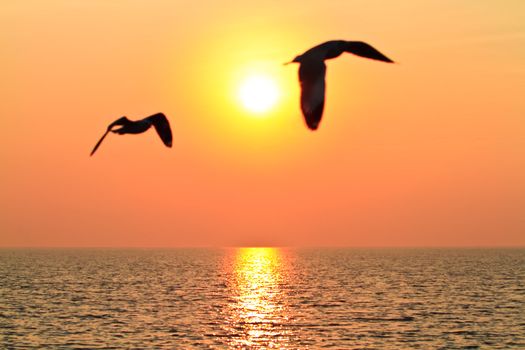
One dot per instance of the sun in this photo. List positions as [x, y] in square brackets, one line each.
[258, 93]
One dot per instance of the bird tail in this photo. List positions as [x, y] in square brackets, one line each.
[98, 143]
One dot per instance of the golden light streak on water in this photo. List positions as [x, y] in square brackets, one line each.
[259, 310]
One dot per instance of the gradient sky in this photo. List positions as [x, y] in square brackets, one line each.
[427, 152]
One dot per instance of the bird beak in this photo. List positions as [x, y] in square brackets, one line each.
[287, 63]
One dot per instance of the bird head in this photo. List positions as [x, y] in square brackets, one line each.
[120, 121]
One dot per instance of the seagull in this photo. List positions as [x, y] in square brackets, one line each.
[159, 121]
[312, 71]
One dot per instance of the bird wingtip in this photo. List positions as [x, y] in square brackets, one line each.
[313, 127]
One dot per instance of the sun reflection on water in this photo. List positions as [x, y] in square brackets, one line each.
[258, 313]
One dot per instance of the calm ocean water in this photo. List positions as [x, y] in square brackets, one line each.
[263, 298]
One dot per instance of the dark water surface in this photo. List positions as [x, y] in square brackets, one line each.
[263, 298]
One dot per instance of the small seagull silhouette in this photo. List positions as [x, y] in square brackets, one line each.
[159, 121]
[312, 72]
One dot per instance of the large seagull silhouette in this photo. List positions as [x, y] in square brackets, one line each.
[312, 71]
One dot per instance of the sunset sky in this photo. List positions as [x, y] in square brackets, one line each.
[426, 152]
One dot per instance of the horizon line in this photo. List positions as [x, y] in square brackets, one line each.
[269, 246]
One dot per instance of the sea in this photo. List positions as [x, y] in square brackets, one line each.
[262, 298]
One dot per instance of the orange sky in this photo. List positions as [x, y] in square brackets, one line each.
[427, 152]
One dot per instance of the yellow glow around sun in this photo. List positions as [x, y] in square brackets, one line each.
[258, 93]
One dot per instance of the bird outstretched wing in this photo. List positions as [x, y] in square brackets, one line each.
[362, 49]
[98, 143]
[312, 78]
[162, 125]
[119, 121]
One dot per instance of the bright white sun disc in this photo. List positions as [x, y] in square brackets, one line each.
[258, 94]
